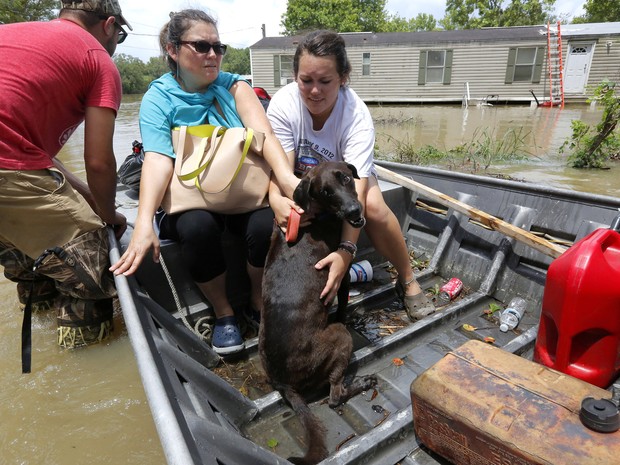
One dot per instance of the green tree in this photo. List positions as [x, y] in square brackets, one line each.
[338, 15]
[473, 14]
[422, 22]
[17, 11]
[132, 71]
[591, 147]
[600, 11]
[237, 60]
[154, 68]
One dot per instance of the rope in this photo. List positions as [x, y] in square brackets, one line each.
[204, 326]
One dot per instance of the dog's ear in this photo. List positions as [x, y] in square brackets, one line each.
[301, 196]
[353, 170]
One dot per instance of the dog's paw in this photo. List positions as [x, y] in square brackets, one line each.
[368, 382]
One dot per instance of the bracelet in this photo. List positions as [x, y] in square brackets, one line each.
[349, 247]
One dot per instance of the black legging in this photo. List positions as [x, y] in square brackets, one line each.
[199, 233]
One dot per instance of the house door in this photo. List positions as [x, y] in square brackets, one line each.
[577, 67]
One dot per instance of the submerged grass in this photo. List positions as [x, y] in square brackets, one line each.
[483, 150]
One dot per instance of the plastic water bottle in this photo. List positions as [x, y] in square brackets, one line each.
[510, 317]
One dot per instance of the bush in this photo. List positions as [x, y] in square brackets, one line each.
[593, 147]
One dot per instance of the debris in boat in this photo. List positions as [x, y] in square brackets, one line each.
[417, 264]
[382, 411]
[398, 362]
[380, 322]
[468, 327]
[434, 291]
[244, 376]
[345, 440]
[354, 293]
[489, 340]
[450, 290]
[378, 409]
[272, 444]
[374, 395]
[493, 307]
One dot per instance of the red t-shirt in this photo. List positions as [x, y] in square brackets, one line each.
[49, 73]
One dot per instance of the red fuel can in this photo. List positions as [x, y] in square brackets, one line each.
[579, 332]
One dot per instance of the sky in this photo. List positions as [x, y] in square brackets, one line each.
[239, 21]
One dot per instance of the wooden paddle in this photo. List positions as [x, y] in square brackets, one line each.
[521, 235]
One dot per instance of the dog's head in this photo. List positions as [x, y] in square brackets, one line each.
[330, 187]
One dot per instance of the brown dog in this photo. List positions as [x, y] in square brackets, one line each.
[300, 350]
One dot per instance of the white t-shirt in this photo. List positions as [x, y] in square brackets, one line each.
[347, 135]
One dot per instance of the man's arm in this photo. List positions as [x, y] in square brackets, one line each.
[100, 163]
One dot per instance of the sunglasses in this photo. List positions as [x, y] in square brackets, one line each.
[202, 46]
[122, 34]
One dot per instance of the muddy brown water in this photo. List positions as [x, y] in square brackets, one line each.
[88, 406]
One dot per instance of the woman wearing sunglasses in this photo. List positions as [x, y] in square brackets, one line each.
[197, 92]
[319, 118]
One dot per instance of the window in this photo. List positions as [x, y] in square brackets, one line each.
[282, 70]
[366, 64]
[435, 61]
[525, 64]
[435, 67]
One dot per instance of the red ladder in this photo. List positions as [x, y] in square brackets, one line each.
[555, 65]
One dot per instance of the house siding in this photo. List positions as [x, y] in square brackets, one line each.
[604, 66]
[482, 66]
[480, 62]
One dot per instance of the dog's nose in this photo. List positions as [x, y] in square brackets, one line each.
[353, 211]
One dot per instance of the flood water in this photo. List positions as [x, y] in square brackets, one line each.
[88, 406]
[541, 131]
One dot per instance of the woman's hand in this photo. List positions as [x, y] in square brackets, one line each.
[281, 207]
[142, 240]
[338, 263]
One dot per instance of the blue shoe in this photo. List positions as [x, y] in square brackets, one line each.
[226, 337]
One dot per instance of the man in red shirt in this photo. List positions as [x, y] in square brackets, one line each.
[54, 76]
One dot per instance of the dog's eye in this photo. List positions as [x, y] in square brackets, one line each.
[326, 193]
[343, 178]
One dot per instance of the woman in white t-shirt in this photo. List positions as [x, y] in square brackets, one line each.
[319, 118]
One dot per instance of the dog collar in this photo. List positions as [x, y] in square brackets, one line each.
[292, 227]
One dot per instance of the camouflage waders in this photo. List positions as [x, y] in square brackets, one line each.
[74, 279]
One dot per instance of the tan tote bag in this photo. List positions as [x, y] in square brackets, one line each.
[217, 169]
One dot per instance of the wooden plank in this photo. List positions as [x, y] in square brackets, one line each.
[494, 223]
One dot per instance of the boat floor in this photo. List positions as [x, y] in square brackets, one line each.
[387, 344]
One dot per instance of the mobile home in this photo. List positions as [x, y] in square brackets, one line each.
[511, 64]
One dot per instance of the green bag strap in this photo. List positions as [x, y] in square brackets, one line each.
[205, 131]
[246, 148]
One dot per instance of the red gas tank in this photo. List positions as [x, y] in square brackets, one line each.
[579, 331]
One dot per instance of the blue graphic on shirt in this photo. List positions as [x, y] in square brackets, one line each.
[306, 158]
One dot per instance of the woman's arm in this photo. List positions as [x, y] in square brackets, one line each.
[157, 170]
[253, 115]
[339, 261]
[280, 203]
